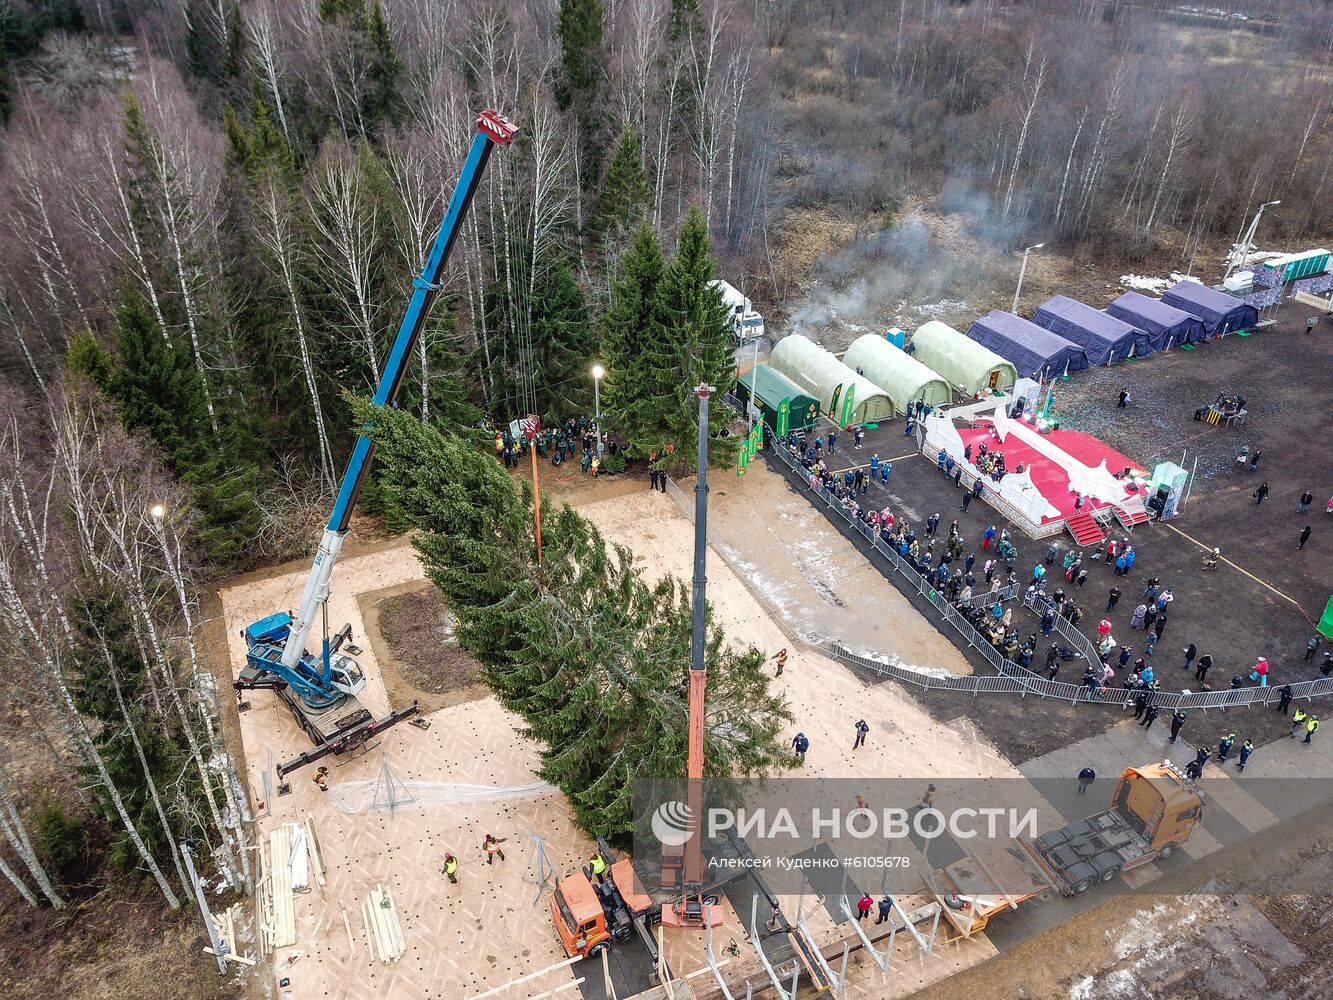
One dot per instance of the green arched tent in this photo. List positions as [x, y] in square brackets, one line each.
[845, 397]
[961, 361]
[895, 371]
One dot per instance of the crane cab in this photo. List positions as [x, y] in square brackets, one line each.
[265, 641]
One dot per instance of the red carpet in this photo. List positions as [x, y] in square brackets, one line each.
[1047, 476]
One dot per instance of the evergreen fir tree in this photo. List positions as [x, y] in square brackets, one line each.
[385, 71]
[233, 55]
[632, 321]
[581, 646]
[624, 195]
[6, 88]
[157, 390]
[698, 332]
[579, 29]
[683, 15]
[108, 673]
[563, 339]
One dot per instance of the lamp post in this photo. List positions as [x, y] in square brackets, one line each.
[597, 372]
[1247, 242]
[1022, 271]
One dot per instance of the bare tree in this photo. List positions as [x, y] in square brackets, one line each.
[276, 235]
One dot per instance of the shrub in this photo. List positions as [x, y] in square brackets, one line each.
[62, 838]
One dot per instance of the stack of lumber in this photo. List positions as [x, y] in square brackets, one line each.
[224, 928]
[384, 933]
[277, 918]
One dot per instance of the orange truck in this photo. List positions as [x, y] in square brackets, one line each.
[1154, 810]
[589, 915]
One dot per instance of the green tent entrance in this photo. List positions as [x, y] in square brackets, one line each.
[782, 404]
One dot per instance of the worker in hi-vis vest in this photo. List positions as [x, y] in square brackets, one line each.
[598, 865]
[451, 868]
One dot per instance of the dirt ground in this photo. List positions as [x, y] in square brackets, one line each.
[411, 632]
[1272, 594]
[118, 945]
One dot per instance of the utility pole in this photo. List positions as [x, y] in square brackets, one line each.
[1247, 241]
[1022, 271]
[218, 952]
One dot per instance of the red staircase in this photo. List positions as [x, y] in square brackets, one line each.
[1085, 529]
[1130, 515]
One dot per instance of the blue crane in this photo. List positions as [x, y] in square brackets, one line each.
[318, 686]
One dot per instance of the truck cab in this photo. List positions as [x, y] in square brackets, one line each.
[1154, 810]
[747, 325]
[590, 915]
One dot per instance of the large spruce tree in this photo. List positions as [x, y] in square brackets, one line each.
[632, 321]
[590, 655]
[700, 330]
[624, 195]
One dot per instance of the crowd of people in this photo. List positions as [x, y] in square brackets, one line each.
[559, 443]
[971, 578]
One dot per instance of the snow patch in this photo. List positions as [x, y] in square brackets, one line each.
[1253, 257]
[1154, 286]
[1083, 989]
[941, 308]
[895, 661]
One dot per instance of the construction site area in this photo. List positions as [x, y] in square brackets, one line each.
[405, 846]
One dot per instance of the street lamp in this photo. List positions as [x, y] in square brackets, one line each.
[1247, 243]
[1021, 271]
[597, 372]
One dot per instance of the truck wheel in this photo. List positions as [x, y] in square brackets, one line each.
[1166, 851]
[1110, 874]
[710, 900]
[596, 950]
[1083, 887]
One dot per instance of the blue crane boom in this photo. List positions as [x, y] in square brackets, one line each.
[276, 646]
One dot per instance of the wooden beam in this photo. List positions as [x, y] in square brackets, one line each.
[529, 976]
[233, 958]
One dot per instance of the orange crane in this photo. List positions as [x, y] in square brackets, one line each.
[691, 909]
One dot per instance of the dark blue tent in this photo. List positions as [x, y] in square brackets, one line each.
[1105, 338]
[1165, 325]
[1032, 350]
[1220, 312]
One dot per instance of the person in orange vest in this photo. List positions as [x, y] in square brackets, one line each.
[492, 848]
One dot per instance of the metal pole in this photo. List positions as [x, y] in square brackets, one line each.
[204, 912]
[1021, 271]
[597, 410]
[536, 491]
[699, 602]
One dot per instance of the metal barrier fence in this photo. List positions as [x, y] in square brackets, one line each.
[1012, 677]
[1068, 631]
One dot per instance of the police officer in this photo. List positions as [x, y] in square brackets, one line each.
[1085, 778]
[451, 868]
[1285, 701]
[1311, 728]
[1149, 716]
[1224, 746]
[1246, 749]
[1177, 721]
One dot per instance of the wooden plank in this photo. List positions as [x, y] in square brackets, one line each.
[370, 937]
[524, 979]
[347, 926]
[368, 908]
[316, 851]
[380, 914]
[233, 958]
[395, 924]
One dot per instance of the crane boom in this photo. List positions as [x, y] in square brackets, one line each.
[321, 689]
[492, 130]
